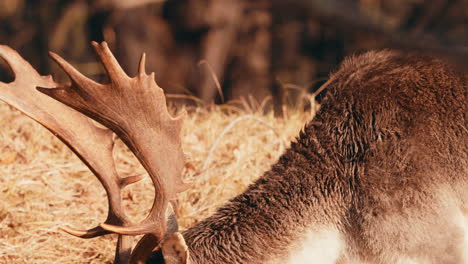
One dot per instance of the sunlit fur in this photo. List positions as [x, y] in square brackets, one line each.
[380, 174]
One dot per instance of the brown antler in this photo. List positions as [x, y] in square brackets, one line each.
[135, 109]
[92, 144]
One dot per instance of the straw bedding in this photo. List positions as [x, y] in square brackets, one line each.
[44, 186]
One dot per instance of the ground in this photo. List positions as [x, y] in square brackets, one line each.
[44, 186]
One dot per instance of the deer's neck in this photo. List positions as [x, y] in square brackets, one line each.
[271, 214]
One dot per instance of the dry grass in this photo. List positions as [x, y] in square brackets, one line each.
[43, 185]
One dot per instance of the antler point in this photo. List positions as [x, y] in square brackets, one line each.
[48, 77]
[72, 231]
[142, 65]
[90, 233]
[52, 54]
[104, 46]
[131, 179]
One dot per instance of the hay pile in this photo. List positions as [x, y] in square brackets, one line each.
[44, 186]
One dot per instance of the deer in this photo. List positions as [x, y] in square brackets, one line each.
[377, 176]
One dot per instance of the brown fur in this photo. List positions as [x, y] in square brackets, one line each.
[385, 162]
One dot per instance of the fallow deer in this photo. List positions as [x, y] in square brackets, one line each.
[378, 176]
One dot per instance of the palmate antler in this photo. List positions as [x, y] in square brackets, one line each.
[135, 109]
[93, 145]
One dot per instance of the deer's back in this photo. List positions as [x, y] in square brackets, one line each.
[378, 176]
[394, 126]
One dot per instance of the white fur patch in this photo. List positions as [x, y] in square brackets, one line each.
[326, 246]
[323, 246]
[464, 224]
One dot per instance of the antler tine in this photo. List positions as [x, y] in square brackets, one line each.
[73, 73]
[135, 109]
[89, 233]
[93, 145]
[142, 65]
[16, 62]
[113, 69]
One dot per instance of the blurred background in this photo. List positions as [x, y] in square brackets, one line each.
[260, 53]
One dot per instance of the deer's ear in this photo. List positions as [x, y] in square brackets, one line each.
[174, 250]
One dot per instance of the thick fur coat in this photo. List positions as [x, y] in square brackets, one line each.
[378, 176]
